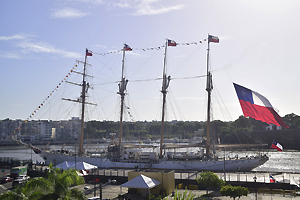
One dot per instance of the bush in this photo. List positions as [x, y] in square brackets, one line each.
[234, 191]
[209, 180]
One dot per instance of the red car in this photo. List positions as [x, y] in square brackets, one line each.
[6, 179]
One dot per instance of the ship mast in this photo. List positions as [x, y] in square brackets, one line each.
[208, 89]
[122, 88]
[165, 85]
[85, 86]
[82, 106]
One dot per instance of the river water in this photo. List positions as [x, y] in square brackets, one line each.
[285, 161]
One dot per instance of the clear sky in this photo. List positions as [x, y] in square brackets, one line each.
[40, 42]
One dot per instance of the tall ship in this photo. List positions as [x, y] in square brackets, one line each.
[120, 155]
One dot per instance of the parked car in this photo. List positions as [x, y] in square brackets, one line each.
[6, 179]
[25, 177]
[17, 182]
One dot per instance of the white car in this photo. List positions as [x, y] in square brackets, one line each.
[24, 177]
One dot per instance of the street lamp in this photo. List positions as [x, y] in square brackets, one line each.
[162, 190]
[95, 184]
[254, 178]
[75, 151]
[224, 165]
[101, 186]
[239, 174]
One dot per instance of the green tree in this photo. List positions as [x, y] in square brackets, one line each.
[15, 194]
[234, 191]
[184, 196]
[292, 120]
[209, 180]
[55, 186]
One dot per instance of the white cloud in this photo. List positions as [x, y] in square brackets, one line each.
[145, 7]
[29, 45]
[69, 13]
[139, 7]
[148, 9]
[45, 48]
[14, 37]
[88, 1]
[10, 55]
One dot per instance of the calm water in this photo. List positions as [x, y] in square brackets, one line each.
[286, 161]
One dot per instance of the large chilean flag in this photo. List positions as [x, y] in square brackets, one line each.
[257, 106]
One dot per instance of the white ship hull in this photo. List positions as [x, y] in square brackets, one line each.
[246, 164]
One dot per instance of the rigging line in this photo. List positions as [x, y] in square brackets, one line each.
[67, 111]
[176, 105]
[144, 64]
[106, 65]
[108, 83]
[115, 113]
[101, 103]
[216, 91]
[96, 96]
[190, 77]
[185, 61]
[54, 100]
[155, 79]
[169, 104]
[129, 102]
[215, 50]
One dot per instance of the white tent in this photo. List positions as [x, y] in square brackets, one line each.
[65, 165]
[79, 166]
[141, 181]
[83, 166]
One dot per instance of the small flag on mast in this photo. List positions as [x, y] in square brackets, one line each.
[127, 47]
[172, 43]
[212, 38]
[277, 146]
[88, 53]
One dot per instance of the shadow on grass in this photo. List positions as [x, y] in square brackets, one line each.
[212, 195]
